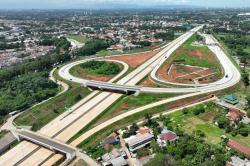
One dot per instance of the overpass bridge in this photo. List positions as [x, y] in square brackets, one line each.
[105, 86]
[46, 142]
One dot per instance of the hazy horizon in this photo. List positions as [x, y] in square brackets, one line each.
[104, 4]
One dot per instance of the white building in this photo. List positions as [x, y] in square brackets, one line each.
[138, 141]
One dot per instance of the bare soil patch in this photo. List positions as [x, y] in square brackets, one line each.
[136, 59]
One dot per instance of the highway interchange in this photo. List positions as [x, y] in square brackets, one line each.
[69, 123]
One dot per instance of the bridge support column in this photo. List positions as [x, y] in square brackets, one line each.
[17, 136]
[137, 93]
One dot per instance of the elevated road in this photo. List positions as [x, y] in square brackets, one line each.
[68, 124]
[47, 142]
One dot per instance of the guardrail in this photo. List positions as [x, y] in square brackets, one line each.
[113, 87]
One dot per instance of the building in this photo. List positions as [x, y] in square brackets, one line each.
[165, 137]
[111, 140]
[231, 99]
[115, 158]
[234, 114]
[239, 147]
[144, 130]
[119, 161]
[236, 161]
[138, 141]
[245, 120]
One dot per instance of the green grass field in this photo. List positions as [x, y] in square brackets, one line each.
[136, 50]
[247, 50]
[204, 122]
[79, 38]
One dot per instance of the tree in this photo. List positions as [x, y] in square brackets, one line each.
[133, 128]
[243, 131]
[248, 100]
[222, 122]
[143, 152]
[245, 78]
[185, 111]
[155, 147]
[248, 113]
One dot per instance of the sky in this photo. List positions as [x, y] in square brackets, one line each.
[98, 4]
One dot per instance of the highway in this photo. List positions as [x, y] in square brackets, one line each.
[68, 124]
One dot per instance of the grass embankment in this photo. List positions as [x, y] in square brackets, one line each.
[197, 55]
[40, 115]
[124, 104]
[132, 51]
[79, 38]
[97, 137]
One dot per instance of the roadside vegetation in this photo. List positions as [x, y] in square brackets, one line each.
[237, 45]
[94, 140]
[92, 47]
[124, 104]
[42, 114]
[27, 84]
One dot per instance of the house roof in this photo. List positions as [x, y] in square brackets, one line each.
[110, 140]
[234, 114]
[230, 97]
[120, 161]
[139, 138]
[239, 147]
[169, 136]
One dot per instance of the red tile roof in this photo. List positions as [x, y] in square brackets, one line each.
[234, 114]
[169, 136]
[239, 147]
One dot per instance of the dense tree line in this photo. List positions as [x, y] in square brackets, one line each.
[92, 47]
[102, 68]
[42, 64]
[165, 36]
[5, 45]
[21, 92]
[26, 84]
[189, 150]
[143, 43]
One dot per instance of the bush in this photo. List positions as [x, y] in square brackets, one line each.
[248, 113]
[198, 110]
[143, 152]
[185, 111]
[243, 132]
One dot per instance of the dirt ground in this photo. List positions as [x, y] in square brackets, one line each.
[136, 59]
[188, 74]
[148, 82]
[182, 73]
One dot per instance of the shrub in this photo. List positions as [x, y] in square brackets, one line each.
[243, 132]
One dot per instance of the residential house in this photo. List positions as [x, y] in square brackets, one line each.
[139, 141]
[115, 158]
[231, 99]
[236, 161]
[239, 147]
[234, 114]
[165, 137]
